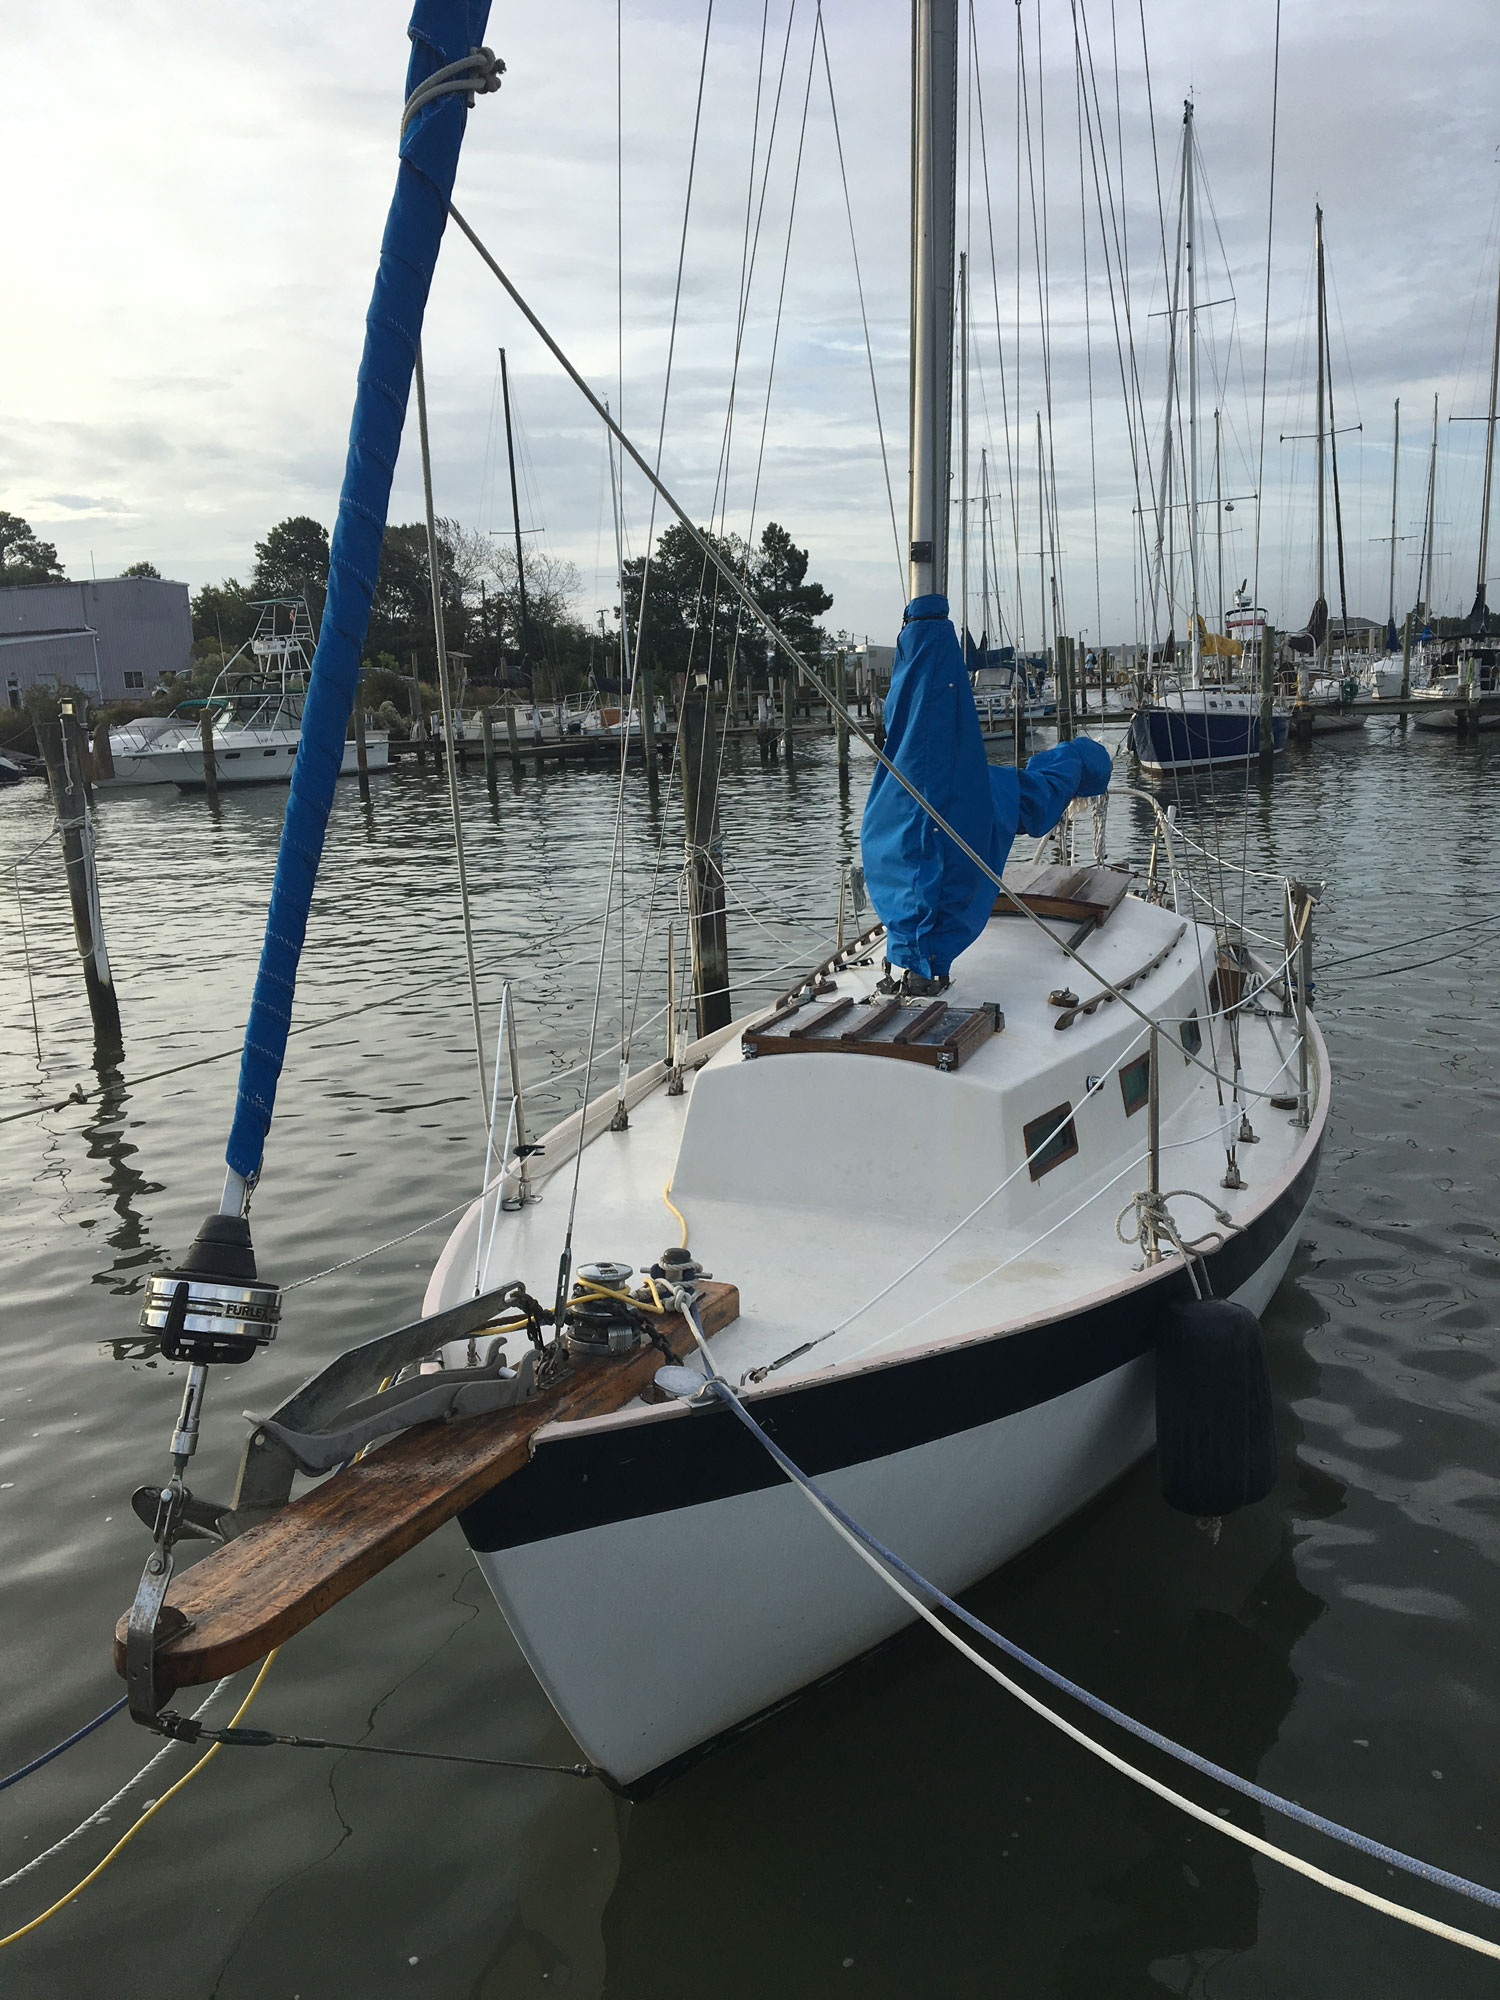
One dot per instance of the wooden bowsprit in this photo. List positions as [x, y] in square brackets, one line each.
[277, 1576]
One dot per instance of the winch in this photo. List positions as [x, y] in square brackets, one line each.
[596, 1324]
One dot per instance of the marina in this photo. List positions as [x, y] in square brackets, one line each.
[663, 1228]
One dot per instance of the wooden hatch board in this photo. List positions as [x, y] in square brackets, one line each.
[936, 1034]
[1077, 895]
[258, 1590]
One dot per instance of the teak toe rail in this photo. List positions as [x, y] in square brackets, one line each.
[258, 1590]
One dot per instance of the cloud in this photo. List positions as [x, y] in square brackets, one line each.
[185, 312]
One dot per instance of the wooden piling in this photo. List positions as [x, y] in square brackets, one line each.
[1082, 678]
[841, 724]
[361, 748]
[698, 748]
[62, 752]
[487, 738]
[1062, 681]
[1267, 698]
[210, 762]
[512, 736]
[1406, 661]
[787, 716]
[416, 718]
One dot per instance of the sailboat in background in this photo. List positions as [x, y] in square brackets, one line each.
[1208, 720]
[1465, 659]
[1322, 688]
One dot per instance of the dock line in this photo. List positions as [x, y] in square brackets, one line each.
[883, 1561]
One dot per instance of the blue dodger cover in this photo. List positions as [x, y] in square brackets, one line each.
[442, 32]
[932, 899]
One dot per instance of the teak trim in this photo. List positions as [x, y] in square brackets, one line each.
[263, 1587]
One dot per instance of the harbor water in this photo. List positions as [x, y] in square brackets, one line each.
[906, 1830]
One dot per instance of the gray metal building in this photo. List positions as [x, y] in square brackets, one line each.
[110, 639]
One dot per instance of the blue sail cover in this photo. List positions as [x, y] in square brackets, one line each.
[932, 899]
[442, 32]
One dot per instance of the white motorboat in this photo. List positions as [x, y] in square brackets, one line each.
[255, 712]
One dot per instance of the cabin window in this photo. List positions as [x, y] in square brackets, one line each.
[1192, 1034]
[1050, 1140]
[1135, 1084]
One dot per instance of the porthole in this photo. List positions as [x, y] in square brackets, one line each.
[1192, 1034]
[1135, 1084]
[1049, 1140]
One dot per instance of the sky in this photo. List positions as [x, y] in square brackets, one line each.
[197, 196]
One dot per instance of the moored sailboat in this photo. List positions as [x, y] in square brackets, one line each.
[940, 1270]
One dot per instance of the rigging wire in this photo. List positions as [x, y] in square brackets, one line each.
[435, 579]
[864, 318]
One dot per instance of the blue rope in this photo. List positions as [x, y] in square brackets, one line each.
[58, 1748]
[1272, 1801]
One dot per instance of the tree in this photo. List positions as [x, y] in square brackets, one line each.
[24, 559]
[142, 569]
[292, 561]
[222, 617]
[692, 619]
[779, 583]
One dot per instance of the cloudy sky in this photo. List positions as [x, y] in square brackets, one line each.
[196, 195]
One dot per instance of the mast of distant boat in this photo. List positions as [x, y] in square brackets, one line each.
[1426, 583]
[1189, 169]
[515, 515]
[1322, 496]
[1390, 616]
[934, 162]
[1489, 465]
[963, 442]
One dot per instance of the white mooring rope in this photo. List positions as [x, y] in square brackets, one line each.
[890, 1568]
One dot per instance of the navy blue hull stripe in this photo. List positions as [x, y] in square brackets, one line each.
[626, 1473]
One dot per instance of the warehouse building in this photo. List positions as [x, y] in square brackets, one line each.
[111, 638]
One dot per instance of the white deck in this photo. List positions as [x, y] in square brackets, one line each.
[815, 1181]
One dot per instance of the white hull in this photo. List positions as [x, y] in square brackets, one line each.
[653, 1637]
[261, 761]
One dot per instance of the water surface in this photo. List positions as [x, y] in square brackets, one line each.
[906, 1830]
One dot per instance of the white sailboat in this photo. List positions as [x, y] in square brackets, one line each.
[917, 1212]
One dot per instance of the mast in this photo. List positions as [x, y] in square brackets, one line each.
[933, 169]
[1188, 176]
[984, 549]
[963, 440]
[1390, 616]
[1431, 509]
[1041, 521]
[1489, 462]
[1219, 516]
[515, 515]
[1322, 498]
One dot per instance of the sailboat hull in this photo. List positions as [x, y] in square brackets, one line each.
[1188, 736]
[669, 1590]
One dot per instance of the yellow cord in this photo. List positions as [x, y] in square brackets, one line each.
[585, 1289]
[151, 1810]
[666, 1195]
